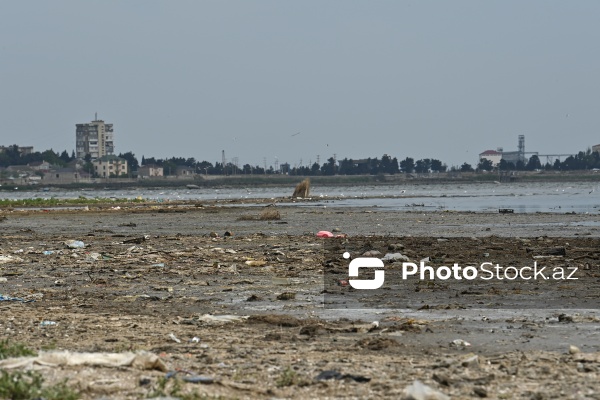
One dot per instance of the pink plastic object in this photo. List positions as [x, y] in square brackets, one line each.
[324, 234]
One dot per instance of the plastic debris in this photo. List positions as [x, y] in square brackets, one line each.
[324, 234]
[174, 338]
[221, 319]
[459, 343]
[48, 252]
[75, 244]
[199, 379]
[48, 323]
[395, 257]
[139, 360]
[195, 339]
[2, 280]
[420, 391]
[8, 298]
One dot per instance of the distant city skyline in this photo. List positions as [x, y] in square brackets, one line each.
[293, 80]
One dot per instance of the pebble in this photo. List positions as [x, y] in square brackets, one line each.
[574, 350]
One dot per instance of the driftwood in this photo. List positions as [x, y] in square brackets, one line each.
[302, 189]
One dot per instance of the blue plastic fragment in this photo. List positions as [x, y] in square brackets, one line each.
[8, 298]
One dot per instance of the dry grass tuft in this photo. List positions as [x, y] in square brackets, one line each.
[302, 189]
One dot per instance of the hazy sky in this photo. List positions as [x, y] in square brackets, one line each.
[441, 79]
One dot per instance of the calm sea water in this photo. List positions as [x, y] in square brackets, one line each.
[560, 197]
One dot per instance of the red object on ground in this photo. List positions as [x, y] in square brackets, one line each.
[324, 234]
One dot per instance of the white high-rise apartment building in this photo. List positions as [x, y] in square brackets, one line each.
[95, 138]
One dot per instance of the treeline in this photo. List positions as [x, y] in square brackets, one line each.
[370, 166]
[12, 156]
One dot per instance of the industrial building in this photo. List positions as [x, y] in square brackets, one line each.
[495, 156]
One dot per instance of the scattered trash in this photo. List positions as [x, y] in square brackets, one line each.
[140, 360]
[395, 257]
[221, 319]
[174, 338]
[324, 234]
[343, 282]
[47, 323]
[420, 391]
[199, 379]
[8, 298]
[48, 252]
[74, 244]
[195, 339]
[2, 280]
[191, 378]
[332, 374]
[459, 343]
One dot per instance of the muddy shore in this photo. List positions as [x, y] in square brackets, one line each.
[148, 272]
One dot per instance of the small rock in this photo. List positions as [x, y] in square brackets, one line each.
[574, 350]
[336, 230]
[480, 391]
[213, 235]
[420, 391]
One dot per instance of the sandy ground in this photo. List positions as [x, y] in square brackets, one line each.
[148, 276]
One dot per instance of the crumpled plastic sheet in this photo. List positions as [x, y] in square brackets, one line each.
[8, 298]
[221, 319]
[141, 360]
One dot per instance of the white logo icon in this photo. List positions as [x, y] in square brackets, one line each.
[365, 262]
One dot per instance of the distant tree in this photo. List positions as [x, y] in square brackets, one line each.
[437, 166]
[485, 165]
[132, 162]
[423, 166]
[533, 163]
[407, 165]
[466, 168]
[505, 165]
[64, 156]
[520, 165]
[52, 158]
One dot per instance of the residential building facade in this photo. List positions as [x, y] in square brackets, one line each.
[95, 138]
[150, 171]
[110, 165]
